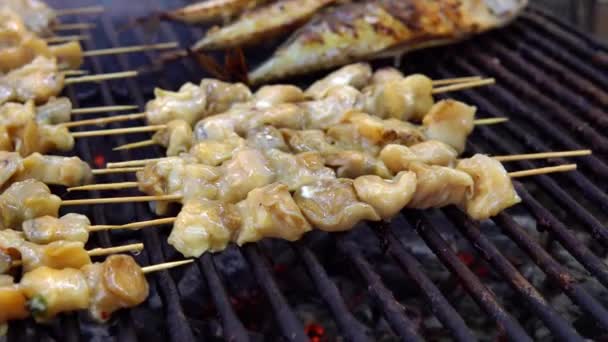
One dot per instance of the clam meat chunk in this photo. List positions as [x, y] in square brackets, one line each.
[450, 122]
[26, 200]
[47, 229]
[386, 196]
[492, 190]
[333, 205]
[439, 186]
[270, 212]
[177, 137]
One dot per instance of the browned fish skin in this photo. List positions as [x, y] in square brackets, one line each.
[261, 23]
[368, 29]
[212, 10]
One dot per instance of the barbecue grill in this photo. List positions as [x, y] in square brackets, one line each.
[536, 271]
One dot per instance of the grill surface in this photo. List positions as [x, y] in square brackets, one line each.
[551, 83]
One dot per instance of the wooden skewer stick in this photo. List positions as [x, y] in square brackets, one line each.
[127, 49]
[136, 247]
[116, 131]
[489, 121]
[101, 121]
[116, 170]
[122, 200]
[80, 10]
[74, 26]
[135, 145]
[101, 109]
[543, 155]
[463, 86]
[101, 77]
[74, 72]
[456, 80]
[542, 171]
[108, 186]
[134, 225]
[63, 39]
[165, 266]
[140, 162]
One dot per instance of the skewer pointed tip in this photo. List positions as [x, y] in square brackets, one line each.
[166, 266]
[543, 171]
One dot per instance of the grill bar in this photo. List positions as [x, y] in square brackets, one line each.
[553, 269]
[439, 304]
[393, 310]
[233, 328]
[519, 284]
[545, 219]
[291, 327]
[484, 297]
[353, 330]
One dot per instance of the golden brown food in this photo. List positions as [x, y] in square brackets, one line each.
[47, 229]
[386, 196]
[186, 104]
[333, 205]
[492, 191]
[356, 75]
[297, 170]
[271, 95]
[55, 111]
[266, 138]
[177, 137]
[115, 284]
[204, 225]
[431, 152]
[248, 169]
[26, 200]
[451, 122]
[56, 170]
[215, 152]
[362, 30]
[13, 303]
[269, 211]
[260, 23]
[37, 16]
[38, 80]
[386, 74]
[439, 186]
[409, 98]
[352, 164]
[51, 291]
[10, 164]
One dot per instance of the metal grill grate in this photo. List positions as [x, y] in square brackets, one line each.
[551, 82]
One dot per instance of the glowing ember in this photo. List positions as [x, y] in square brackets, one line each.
[99, 160]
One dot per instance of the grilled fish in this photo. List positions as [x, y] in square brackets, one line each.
[381, 28]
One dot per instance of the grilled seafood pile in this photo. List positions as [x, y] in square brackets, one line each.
[20, 45]
[26, 130]
[329, 33]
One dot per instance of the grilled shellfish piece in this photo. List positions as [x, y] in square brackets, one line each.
[379, 28]
[261, 23]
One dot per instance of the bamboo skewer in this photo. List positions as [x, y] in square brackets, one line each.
[454, 80]
[165, 266]
[127, 49]
[463, 86]
[74, 26]
[134, 225]
[80, 10]
[127, 185]
[542, 171]
[543, 155]
[130, 163]
[100, 77]
[136, 247]
[101, 121]
[489, 121]
[121, 200]
[102, 109]
[116, 170]
[108, 186]
[135, 145]
[115, 131]
[63, 39]
[74, 72]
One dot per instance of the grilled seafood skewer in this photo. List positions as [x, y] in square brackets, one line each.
[479, 185]
[41, 80]
[101, 288]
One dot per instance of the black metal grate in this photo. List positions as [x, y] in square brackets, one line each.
[551, 83]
